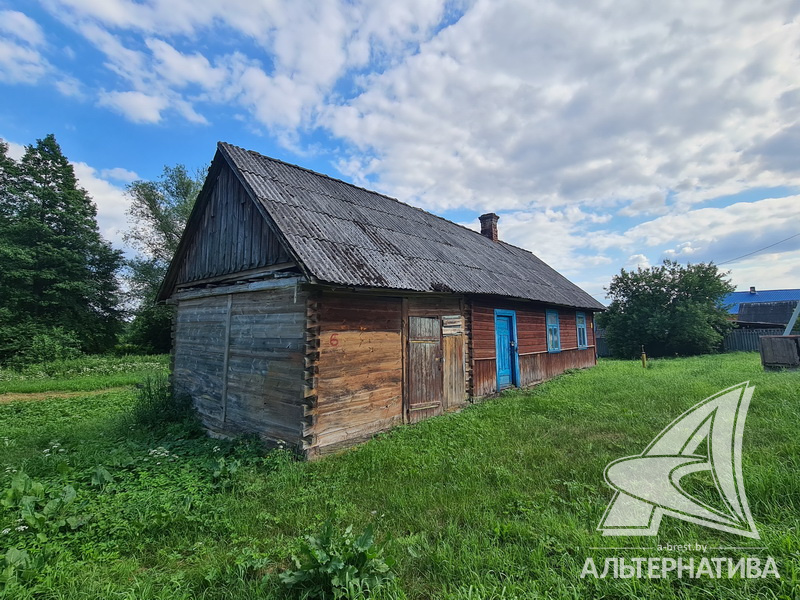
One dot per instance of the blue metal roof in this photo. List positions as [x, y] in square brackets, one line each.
[737, 298]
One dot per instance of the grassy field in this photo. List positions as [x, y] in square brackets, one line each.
[499, 501]
[81, 375]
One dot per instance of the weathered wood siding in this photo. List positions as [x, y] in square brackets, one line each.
[231, 237]
[359, 380]
[780, 351]
[535, 362]
[240, 357]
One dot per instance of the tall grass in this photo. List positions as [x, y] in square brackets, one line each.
[499, 501]
[83, 374]
[155, 404]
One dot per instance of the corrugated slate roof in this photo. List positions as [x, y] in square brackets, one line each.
[737, 298]
[350, 236]
[767, 312]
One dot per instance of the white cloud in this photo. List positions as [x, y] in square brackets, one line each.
[22, 55]
[110, 199]
[520, 105]
[768, 271]
[69, 86]
[637, 261]
[21, 64]
[119, 174]
[21, 26]
[15, 151]
[722, 233]
[180, 69]
[136, 106]
[309, 45]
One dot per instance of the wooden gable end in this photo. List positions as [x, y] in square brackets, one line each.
[229, 236]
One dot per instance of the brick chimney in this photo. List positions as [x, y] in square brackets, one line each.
[752, 289]
[489, 225]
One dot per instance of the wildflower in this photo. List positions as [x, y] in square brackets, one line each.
[216, 449]
[5, 531]
[159, 452]
[22, 528]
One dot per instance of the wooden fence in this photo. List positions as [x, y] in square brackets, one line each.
[745, 340]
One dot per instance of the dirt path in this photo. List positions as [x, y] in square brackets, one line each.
[16, 397]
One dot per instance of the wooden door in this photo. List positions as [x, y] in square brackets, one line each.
[425, 382]
[504, 336]
[453, 365]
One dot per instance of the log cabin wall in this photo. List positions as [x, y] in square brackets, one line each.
[359, 374]
[536, 364]
[239, 356]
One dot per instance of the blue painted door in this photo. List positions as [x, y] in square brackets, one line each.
[504, 339]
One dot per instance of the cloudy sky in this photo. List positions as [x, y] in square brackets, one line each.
[605, 134]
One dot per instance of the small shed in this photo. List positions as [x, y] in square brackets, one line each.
[316, 313]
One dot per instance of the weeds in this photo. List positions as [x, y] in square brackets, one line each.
[81, 374]
[156, 404]
[499, 501]
[335, 565]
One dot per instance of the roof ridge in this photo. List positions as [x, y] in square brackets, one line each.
[358, 187]
[366, 208]
[759, 291]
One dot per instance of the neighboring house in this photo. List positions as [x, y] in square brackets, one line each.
[318, 313]
[762, 308]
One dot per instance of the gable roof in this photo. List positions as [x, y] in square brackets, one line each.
[737, 298]
[346, 235]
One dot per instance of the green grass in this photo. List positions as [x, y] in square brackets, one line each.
[499, 501]
[83, 374]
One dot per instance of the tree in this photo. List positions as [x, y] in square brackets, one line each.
[158, 214]
[669, 309]
[57, 272]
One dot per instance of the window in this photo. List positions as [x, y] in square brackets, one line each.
[580, 321]
[553, 332]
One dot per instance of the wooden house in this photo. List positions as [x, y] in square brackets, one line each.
[317, 313]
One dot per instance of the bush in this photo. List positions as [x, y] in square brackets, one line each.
[53, 344]
[155, 403]
[669, 309]
[339, 566]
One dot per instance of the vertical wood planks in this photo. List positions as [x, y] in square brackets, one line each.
[232, 235]
[455, 379]
[425, 377]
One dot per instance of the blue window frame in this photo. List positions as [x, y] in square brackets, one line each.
[553, 332]
[580, 322]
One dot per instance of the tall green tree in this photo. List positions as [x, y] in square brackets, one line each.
[158, 214]
[57, 272]
[670, 309]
